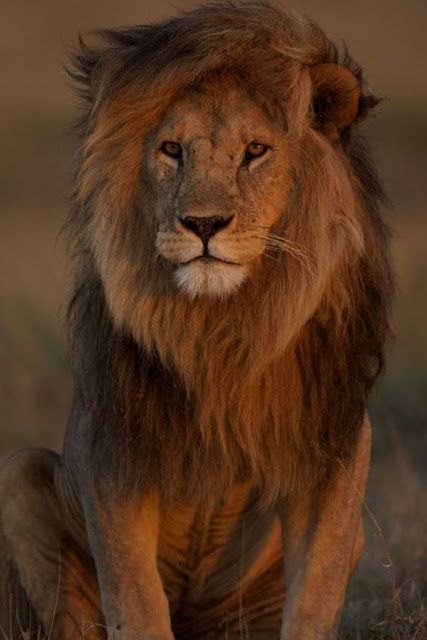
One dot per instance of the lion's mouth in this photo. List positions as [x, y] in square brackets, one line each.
[207, 258]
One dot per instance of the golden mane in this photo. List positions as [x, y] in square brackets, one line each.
[273, 381]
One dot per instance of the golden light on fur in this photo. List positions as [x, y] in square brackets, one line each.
[262, 367]
[228, 321]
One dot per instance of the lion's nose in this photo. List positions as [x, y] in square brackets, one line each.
[205, 227]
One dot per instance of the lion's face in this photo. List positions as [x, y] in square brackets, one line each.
[217, 166]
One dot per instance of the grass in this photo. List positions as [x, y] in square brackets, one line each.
[387, 598]
[402, 617]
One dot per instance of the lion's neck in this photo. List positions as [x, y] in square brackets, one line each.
[219, 389]
[220, 344]
[231, 362]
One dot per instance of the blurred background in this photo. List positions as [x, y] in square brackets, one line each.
[37, 107]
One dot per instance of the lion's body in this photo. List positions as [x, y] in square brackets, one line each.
[232, 569]
[228, 322]
[222, 572]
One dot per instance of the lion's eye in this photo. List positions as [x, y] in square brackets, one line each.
[171, 149]
[255, 150]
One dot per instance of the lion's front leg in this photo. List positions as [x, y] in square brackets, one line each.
[321, 537]
[123, 536]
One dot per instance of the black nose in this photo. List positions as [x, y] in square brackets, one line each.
[205, 228]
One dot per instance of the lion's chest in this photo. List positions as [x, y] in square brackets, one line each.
[210, 559]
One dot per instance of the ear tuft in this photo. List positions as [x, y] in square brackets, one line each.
[336, 96]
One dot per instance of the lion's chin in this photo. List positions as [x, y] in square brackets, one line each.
[210, 278]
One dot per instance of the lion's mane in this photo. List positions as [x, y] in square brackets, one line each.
[272, 382]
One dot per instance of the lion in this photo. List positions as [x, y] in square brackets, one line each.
[228, 321]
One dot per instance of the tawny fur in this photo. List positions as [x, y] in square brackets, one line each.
[274, 378]
[213, 398]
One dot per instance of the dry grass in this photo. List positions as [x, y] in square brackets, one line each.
[387, 597]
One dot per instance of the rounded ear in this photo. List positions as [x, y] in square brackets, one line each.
[336, 96]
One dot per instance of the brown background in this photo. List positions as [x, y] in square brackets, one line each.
[36, 109]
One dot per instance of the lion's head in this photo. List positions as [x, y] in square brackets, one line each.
[218, 166]
[207, 150]
[227, 218]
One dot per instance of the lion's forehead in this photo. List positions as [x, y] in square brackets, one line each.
[207, 123]
[214, 134]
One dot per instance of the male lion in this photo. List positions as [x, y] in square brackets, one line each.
[227, 324]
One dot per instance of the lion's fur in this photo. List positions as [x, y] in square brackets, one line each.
[271, 382]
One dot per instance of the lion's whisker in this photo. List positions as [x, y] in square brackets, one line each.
[275, 236]
[287, 246]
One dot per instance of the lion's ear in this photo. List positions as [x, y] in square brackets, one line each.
[336, 98]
